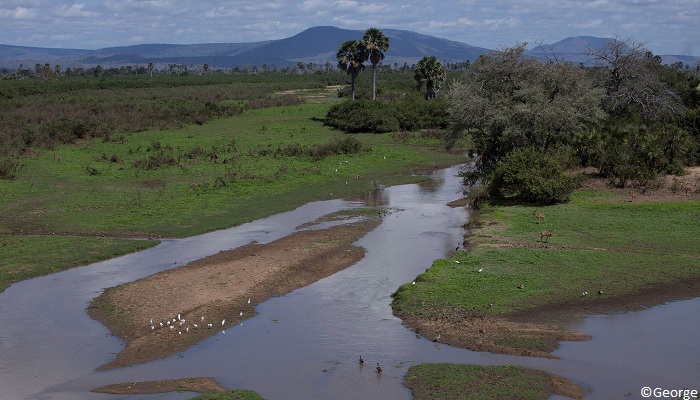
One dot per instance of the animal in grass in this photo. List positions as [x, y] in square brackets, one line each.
[545, 234]
[539, 216]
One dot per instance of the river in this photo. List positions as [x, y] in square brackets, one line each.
[305, 345]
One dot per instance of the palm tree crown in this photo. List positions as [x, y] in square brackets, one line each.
[351, 56]
[375, 44]
[432, 72]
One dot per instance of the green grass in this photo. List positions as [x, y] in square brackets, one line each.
[598, 244]
[25, 257]
[475, 382]
[230, 395]
[203, 177]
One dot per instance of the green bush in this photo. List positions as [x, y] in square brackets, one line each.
[530, 175]
[362, 116]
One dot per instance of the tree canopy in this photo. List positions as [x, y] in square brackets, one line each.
[375, 43]
[351, 57]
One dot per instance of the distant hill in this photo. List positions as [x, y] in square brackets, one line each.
[317, 45]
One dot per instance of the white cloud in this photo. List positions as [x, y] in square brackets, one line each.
[18, 13]
[75, 10]
[596, 23]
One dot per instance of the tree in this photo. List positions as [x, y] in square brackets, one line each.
[432, 72]
[150, 69]
[375, 44]
[513, 101]
[350, 57]
[633, 85]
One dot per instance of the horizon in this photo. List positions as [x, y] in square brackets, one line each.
[91, 25]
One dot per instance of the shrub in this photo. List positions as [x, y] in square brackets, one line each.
[362, 116]
[9, 167]
[530, 175]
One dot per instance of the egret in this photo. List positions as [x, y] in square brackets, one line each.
[584, 294]
[178, 317]
[187, 330]
[413, 283]
[202, 318]
[168, 322]
[521, 286]
[248, 301]
[481, 269]
[179, 333]
[209, 325]
[241, 314]
[161, 324]
[153, 327]
[151, 321]
[171, 327]
[223, 321]
[457, 261]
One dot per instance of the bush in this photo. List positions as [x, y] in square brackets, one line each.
[362, 116]
[530, 175]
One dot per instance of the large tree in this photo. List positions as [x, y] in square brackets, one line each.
[633, 83]
[432, 72]
[513, 101]
[351, 57]
[375, 43]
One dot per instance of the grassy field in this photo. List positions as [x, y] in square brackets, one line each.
[474, 382]
[230, 395]
[187, 181]
[601, 244]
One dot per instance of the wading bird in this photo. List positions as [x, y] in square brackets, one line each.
[379, 369]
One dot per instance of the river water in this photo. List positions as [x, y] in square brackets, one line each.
[305, 345]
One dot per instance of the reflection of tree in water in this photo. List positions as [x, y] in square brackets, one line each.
[376, 197]
[430, 186]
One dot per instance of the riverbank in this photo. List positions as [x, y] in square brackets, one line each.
[513, 292]
[207, 296]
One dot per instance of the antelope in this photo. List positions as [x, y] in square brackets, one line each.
[633, 195]
[538, 216]
[546, 234]
[57, 157]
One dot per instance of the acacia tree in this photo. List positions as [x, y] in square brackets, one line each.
[375, 43]
[351, 56]
[513, 101]
[432, 72]
[632, 82]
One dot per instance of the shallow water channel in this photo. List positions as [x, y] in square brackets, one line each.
[305, 345]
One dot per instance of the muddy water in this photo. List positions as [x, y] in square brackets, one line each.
[305, 345]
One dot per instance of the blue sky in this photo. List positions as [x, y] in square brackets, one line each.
[666, 26]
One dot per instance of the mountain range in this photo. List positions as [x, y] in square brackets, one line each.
[314, 45]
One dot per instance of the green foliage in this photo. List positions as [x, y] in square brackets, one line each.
[513, 101]
[431, 72]
[471, 382]
[9, 167]
[530, 175]
[408, 113]
[362, 116]
[230, 395]
[633, 154]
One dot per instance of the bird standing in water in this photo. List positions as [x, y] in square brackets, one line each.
[361, 360]
[379, 369]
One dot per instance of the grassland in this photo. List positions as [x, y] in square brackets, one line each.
[473, 382]
[181, 182]
[605, 254]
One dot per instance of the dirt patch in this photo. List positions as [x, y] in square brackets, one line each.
[168, 312]
[198, 385]
[668, 188]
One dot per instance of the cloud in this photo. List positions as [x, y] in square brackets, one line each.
[75, 10]
[18, 13]
[596, 23]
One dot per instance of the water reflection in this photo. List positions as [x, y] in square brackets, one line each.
[305, 345]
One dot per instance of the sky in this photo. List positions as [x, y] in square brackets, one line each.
[666, 26]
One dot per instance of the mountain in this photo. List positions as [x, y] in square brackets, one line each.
[315, 45]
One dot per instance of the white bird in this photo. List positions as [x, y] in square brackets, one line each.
[182, 322]
[202, 318]
[413, 283]
[161, 324]
[457, 261]
[223, 321]
[187, 329]
[209, 325]
[584, 294]
[179, 333]
[481, 269]
[153, 327]
[171, 327]
[195, 326]
[151, 321]
[241, 314]
[168, 322]
[178, 317]
[248, 301]
[174, 320]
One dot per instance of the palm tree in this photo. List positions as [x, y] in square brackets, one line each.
[375, 44]
[432, 72]
[350, 57]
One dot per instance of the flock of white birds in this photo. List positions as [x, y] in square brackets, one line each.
[180, 325]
